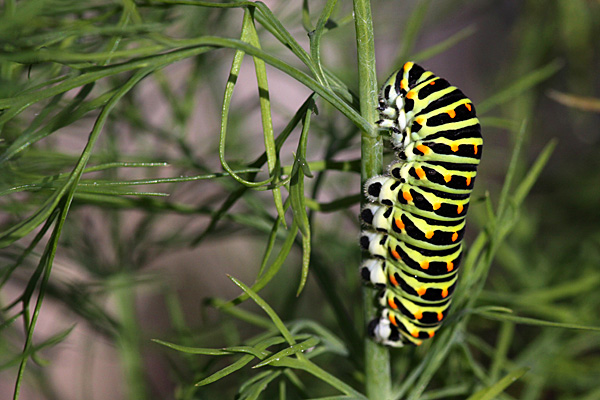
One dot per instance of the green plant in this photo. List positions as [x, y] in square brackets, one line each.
[81, 133]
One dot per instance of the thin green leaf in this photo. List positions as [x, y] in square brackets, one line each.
[533, 321]
[254, 379]
[239, 364]
[521, 85]
[105, 166]
[68, 191]
[315, 39]
[9, 322]
[32, 350]
[253, 392]
[411, 32]
[250, 35]
[503, 342]
[297, 180]
[188, 48]
[66, 57]
[338, 398]
[306, 22]
[328, 339]
[266, 17]
[193, 350]
[262, 304]
[36, 240]
[20, 102]
[533, 173]
[122, 192]
[316, 371]
[297, 199]
[154, 181]
[420, 376]
[231, 82]
[444, 45]
[273, 233]
[305, 263]
[149, 204]
[242, 315]
[274, 268]
[493, 391]
[27, 136]
[236, 366]
[294, 349]
[261, 160]
[511, 172]
[22, 228]
[258, 353]
[591, 104]
[447, 392]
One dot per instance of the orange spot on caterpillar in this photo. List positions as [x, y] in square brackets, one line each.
[392, 303]
[468, 106]
[447, 178]
[393, 319]
[451, 113]
[468, 181]
[429, 234]
[431, 334]
[393, 280]
[421, 291]
[407, 196]
[403, 84]
[418, 315]
[399, 224]
[445, 293]
[395, 254]
[410, 95]
[454, 147]
[425, 264]
[449, 266]
[459, 209]
[408, 65]
[474, 149]
[432, 83]
[440, 316]
[436, 206]
[454, 236]
[420, 120]
[423, 149]
[420, 173]
[415, 334]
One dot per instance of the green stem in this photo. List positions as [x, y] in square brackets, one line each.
[377, 358]
[129, 340]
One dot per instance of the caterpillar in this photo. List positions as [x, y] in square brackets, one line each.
[415, 221]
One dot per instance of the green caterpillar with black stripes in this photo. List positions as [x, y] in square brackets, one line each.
[415, 222]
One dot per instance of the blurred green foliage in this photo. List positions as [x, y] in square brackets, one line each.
[130, 189]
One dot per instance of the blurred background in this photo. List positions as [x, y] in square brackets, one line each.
[130, 268]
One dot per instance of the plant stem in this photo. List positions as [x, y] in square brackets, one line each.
[377, 358]
[129, 339]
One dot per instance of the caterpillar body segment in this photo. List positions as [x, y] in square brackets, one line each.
[415, 223]
[413, 229]
[419, 200]
[413, 259]
[418, 313]
[422, 289]
[435, 176]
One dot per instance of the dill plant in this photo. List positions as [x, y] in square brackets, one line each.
[102, 181]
